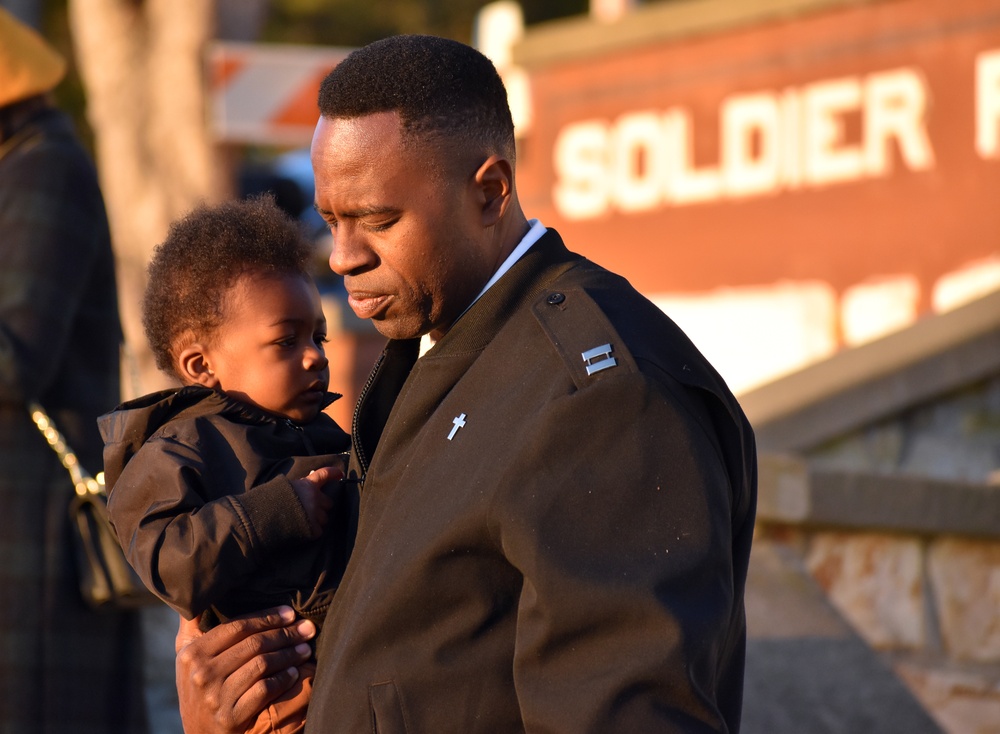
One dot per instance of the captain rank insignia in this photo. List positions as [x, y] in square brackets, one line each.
[598, 358]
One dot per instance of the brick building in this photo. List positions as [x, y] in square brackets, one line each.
[784, 177]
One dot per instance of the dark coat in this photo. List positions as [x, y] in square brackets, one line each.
[63, 667]
[554, 527]
[201, 499]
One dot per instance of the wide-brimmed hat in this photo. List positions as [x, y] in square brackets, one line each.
[28, 65]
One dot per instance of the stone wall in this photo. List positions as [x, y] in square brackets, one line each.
[928, 601]
[898, 520]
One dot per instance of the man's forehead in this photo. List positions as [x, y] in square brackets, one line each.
[335, 135]
[365, 159]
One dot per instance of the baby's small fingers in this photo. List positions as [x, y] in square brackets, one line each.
[327, 474]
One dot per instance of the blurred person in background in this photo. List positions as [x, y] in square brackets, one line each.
[63, 667]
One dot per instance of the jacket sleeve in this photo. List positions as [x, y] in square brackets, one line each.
[54, 230]
[188, 549]
[621, 524]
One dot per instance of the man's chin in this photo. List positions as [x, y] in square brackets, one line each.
[398, 330]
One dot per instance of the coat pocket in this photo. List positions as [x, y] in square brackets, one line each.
[387, 709]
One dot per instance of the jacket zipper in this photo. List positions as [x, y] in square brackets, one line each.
[359, 450]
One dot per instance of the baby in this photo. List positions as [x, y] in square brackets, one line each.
[223, 492]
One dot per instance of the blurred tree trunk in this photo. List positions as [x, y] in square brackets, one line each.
[142, 66]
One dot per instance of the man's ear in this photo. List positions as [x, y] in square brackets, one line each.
[194, 368]
[495, 178]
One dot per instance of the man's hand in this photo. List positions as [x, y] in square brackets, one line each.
[314, 501]
[228, 675]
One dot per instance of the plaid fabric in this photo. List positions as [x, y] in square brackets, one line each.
[63, 668]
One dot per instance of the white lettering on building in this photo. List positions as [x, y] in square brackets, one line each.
[988, 104]
[768, 142]
[751, 144]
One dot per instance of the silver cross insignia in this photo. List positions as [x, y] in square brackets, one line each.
[458, 422]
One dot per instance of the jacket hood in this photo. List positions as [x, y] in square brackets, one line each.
[131, 424]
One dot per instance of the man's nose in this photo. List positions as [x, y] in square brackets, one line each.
[350, 252]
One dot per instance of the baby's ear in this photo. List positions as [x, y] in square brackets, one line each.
[194, 368]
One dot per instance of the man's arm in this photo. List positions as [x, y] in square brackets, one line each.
[228, 675]
[630, 617]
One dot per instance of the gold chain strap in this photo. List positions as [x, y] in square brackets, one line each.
[83, 482]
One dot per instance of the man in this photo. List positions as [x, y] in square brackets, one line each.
[556, 501]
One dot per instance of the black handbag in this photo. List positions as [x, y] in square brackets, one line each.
[107, 581]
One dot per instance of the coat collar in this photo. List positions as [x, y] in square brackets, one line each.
[543, 263]
[159, 407]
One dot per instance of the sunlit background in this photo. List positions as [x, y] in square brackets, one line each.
[810, 188]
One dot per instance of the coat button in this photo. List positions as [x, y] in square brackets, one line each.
[555, 299]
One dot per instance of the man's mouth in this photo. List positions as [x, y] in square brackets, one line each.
[367, 305]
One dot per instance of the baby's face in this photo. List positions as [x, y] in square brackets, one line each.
[269, 351]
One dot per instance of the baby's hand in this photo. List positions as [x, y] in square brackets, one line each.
[315, 502]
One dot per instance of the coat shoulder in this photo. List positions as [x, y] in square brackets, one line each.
[600, 325]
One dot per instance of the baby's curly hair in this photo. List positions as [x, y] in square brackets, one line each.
[203, 256]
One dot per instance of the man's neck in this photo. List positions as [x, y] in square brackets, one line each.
[533, 230]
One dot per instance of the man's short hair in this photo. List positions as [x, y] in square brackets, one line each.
[203, 256]
[440, 88]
